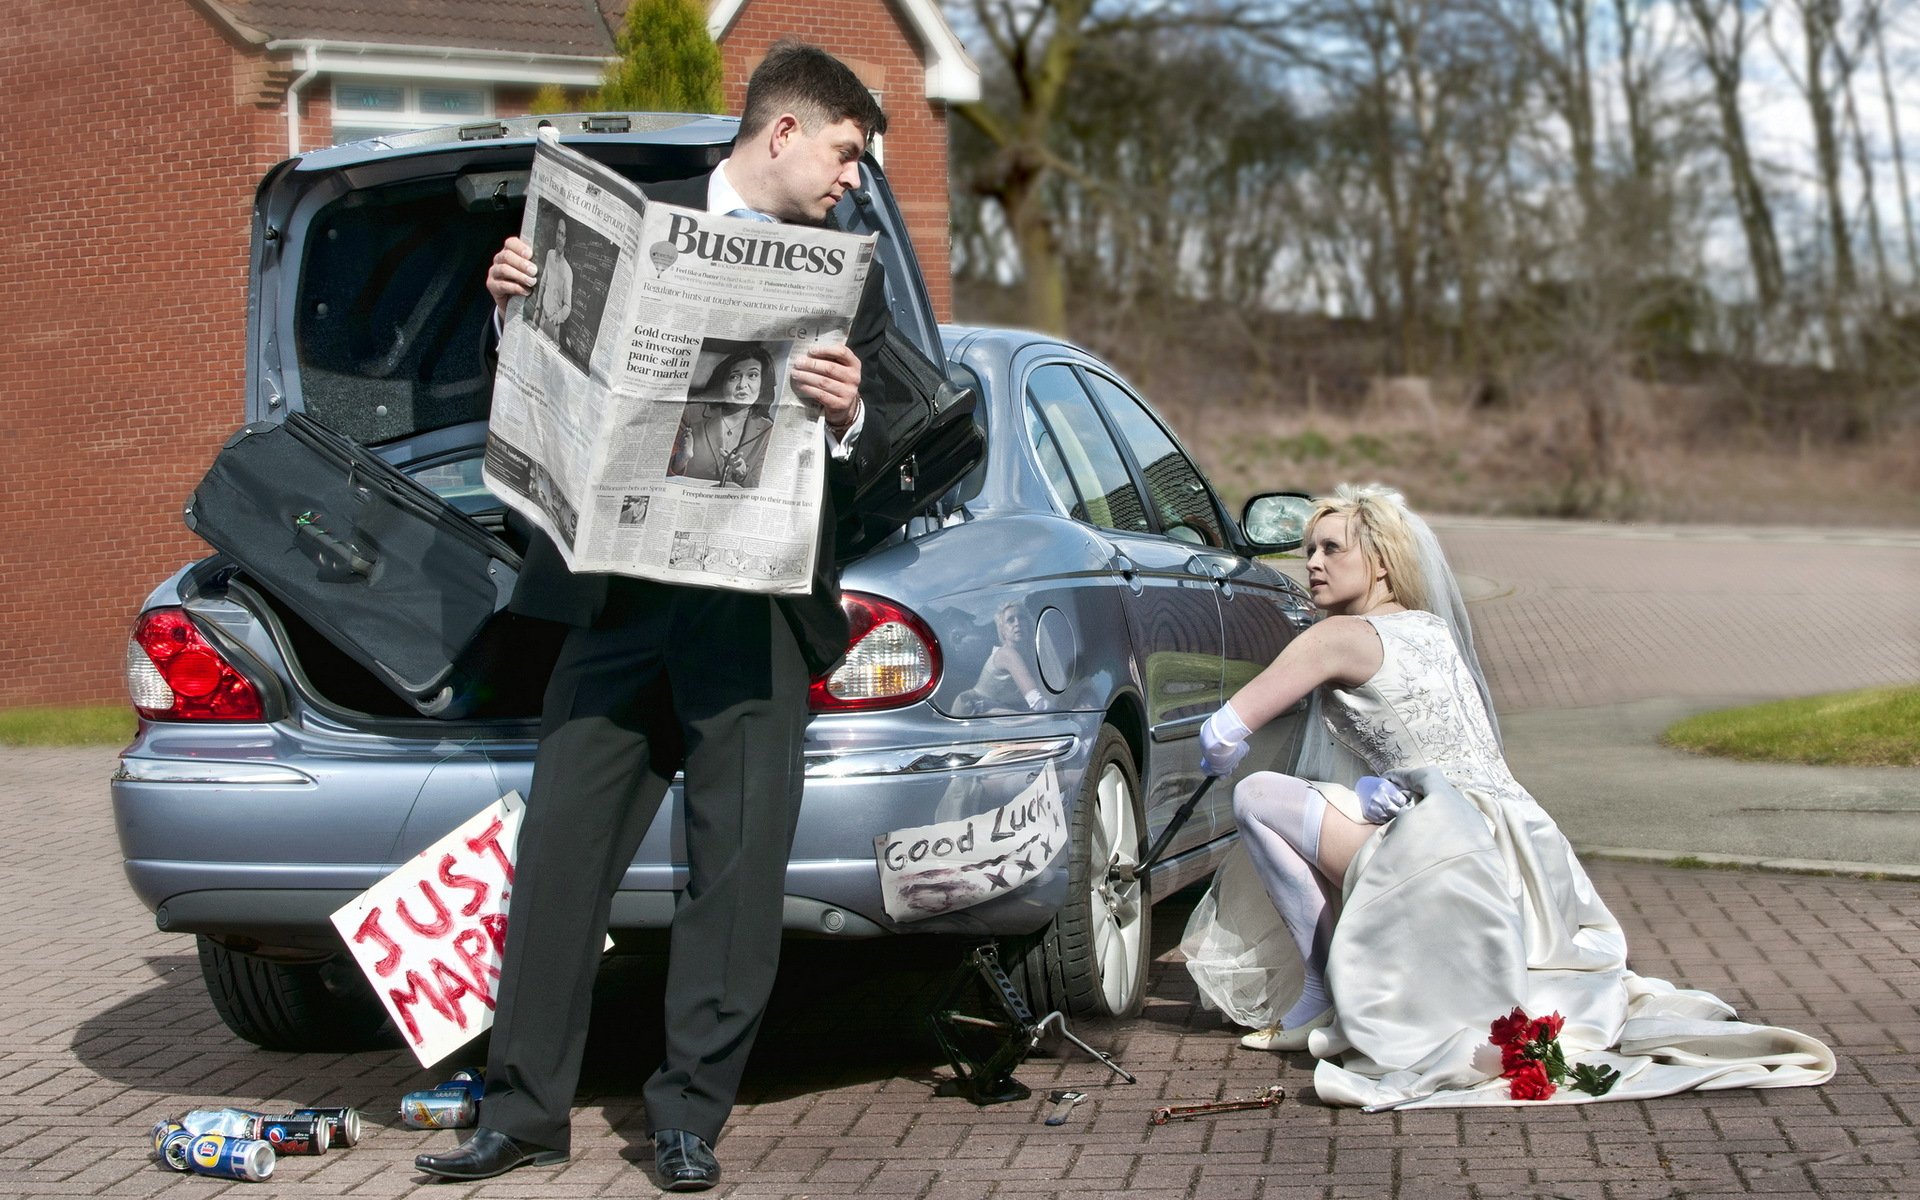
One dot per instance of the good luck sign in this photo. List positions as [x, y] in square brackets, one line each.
[430, 936]
[933, 869]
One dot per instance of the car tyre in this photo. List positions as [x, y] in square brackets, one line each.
[1092, 960]
[324, 1006]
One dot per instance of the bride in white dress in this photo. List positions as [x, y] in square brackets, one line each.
[1433, 896]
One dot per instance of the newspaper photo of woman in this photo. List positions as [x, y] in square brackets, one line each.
[723, 435]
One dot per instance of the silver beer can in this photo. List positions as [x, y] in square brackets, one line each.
[438, 1109]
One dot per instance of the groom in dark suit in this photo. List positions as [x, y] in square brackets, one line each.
[657, 678]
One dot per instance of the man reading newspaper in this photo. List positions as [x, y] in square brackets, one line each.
[656, 678]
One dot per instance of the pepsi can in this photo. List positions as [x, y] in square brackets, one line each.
[295, 1134]
[343, 1124]
[469, 1082]
[230, 1158]
[438, 1108]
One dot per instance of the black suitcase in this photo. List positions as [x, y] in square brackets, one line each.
[403, 583]
[934, 440]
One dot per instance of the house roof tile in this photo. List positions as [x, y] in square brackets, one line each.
[572, 27]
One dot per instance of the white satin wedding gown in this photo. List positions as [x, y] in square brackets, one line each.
[1458, 911]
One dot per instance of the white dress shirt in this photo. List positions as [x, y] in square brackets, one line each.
[722, 198]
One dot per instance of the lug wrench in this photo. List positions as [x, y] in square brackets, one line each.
[1183, 1112]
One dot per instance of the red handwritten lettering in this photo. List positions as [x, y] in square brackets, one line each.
[471, 946]
[370, 928]
[454, 879]
[489, 839]
[496, 926]
[453, 986]
[419, 989]
[442, 922]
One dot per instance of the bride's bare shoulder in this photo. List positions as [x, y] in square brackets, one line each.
[1347, 649]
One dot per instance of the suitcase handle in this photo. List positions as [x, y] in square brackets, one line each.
[342, 555]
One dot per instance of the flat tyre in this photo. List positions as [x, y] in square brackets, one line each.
[1091, 961]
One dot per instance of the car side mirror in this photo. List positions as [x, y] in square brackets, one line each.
[1276, 521]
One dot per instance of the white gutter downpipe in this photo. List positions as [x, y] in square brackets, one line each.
[293, 101]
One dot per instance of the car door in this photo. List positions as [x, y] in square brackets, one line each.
[1168, 583]
[1187, 515]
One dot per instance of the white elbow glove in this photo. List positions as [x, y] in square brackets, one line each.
[1223, 742]
[1380, 800]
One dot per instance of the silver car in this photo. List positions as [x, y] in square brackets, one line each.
[1081, 600]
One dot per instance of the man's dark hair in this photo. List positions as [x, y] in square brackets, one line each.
[812, 85]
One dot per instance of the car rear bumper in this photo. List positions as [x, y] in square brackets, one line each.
[262, 833]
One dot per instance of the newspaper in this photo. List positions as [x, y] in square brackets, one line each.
[643, 413]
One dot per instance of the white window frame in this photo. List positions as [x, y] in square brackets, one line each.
[411, 114]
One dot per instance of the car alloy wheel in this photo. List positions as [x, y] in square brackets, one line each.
[1091, 961]
[1116, 899]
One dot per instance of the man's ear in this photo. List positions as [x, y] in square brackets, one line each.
[780, 131]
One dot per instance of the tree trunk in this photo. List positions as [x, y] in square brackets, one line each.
[1893, 137]
[1722, 60]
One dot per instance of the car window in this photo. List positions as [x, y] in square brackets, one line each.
[1066, 429]
[1176, 487]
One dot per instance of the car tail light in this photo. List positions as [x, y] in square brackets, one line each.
[892, 659]
[175, 674]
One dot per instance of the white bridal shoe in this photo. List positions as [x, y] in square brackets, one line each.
[1286, 1041]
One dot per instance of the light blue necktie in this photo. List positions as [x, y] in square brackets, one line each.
[749, 214]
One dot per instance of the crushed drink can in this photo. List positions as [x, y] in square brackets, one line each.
[170, 1140]
[230, 1158]
[439, 1108]
[227, 1122]
[343, 1124]
[469, 1082]
[176, 1152]
[295, 1134]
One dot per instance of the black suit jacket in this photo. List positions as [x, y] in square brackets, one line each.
[548, 590]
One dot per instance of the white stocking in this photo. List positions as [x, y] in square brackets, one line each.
[1280, 820]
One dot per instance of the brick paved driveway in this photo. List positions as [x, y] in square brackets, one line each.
[1577, 614]
[104, 1028]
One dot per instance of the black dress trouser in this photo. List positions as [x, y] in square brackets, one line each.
[668, 678]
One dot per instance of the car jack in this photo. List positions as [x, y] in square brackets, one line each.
[987, 1078]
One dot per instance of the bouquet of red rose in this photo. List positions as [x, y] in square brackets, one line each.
[1533, 1064]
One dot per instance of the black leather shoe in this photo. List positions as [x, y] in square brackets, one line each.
[486, 1154]
[685, 1161]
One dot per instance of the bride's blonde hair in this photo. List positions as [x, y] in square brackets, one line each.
[1377, 522]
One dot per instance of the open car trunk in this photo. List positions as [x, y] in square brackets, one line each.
[369, 315]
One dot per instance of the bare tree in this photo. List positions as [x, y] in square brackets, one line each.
[1820, 74]
[1038, 45]
[1876, 34]
[1720, 34]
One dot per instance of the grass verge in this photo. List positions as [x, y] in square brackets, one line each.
[95, 725]
[1879, 727]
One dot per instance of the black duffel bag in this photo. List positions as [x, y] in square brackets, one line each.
[933, 437]
[399, 580]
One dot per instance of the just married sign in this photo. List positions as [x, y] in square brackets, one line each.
[430, 936]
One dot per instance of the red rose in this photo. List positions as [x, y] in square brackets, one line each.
[1530, 1082]
[1545, 1029]
[1512, 1056]
[1509, 1029]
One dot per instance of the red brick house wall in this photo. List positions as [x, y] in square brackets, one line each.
[130, 163]
[871, 37]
